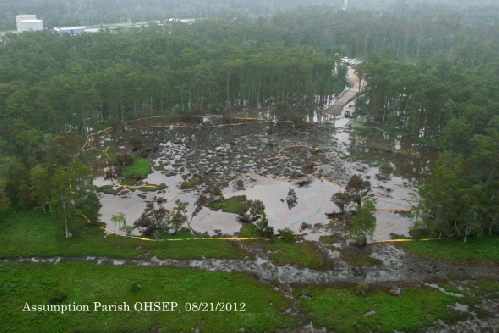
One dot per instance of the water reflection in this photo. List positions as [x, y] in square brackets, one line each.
[313, 201]
[406, 158]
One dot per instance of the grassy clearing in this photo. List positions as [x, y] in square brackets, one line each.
[298, 254]
[85, 283]
[483, 251]
[191, 183]
[140, 167]
[341, 310]
[248, 231]
[356, 258]
[31, 233]
[232, 205]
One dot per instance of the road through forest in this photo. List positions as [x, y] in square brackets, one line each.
[347, 95]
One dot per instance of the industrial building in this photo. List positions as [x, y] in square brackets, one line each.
[28, 23]
[70, 30]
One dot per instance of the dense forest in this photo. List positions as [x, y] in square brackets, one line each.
[93, 12]
[55, 89]
[57, 82]
[432, 75]
[453, 105]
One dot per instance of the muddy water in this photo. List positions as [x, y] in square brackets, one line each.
[131, 206]
[313, 200]
[391, 163]
[406, 158]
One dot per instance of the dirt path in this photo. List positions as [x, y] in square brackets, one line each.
[397, 267]
[347, 95]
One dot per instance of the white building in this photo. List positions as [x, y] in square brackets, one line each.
[28, 23]
[70, 30]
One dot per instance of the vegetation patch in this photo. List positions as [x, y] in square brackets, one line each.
[248, 231]
[149, 188]
[31, 233]
[356, 258]
[86, 283]
[128, 181]
[233, 205]
[483, 251]
[341, 310]
[330, 239]
[191, 183]
[140, 168]
[303, 254]
[108, 189]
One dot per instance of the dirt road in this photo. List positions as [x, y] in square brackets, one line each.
[347, 95]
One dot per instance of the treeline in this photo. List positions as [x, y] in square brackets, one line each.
[93, 12]
[88, 12]
[40, 170]
[453, 105]
[421, 99]
[418, 33]
[59, 83]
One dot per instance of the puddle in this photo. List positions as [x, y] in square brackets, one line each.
[131, 206]
[100, 181]
[313, 201]
[436, 286]
[207, 221]
[403, 155]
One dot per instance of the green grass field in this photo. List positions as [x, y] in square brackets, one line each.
[31, 233]
[483, 251]
[298, 254]
[341, 310]
[85, 283]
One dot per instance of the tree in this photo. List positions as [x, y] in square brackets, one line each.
[357, 189]
[153, 220]
[364, 222]
[443, 192]
[253, 210]
[120, 218]
[456, 136]
[263, 229]
[287, 235]
[63, 196]
[90, 206]
[341, 200]
[178, 217]
[4, 201]
[25, 198]
[40, 179]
